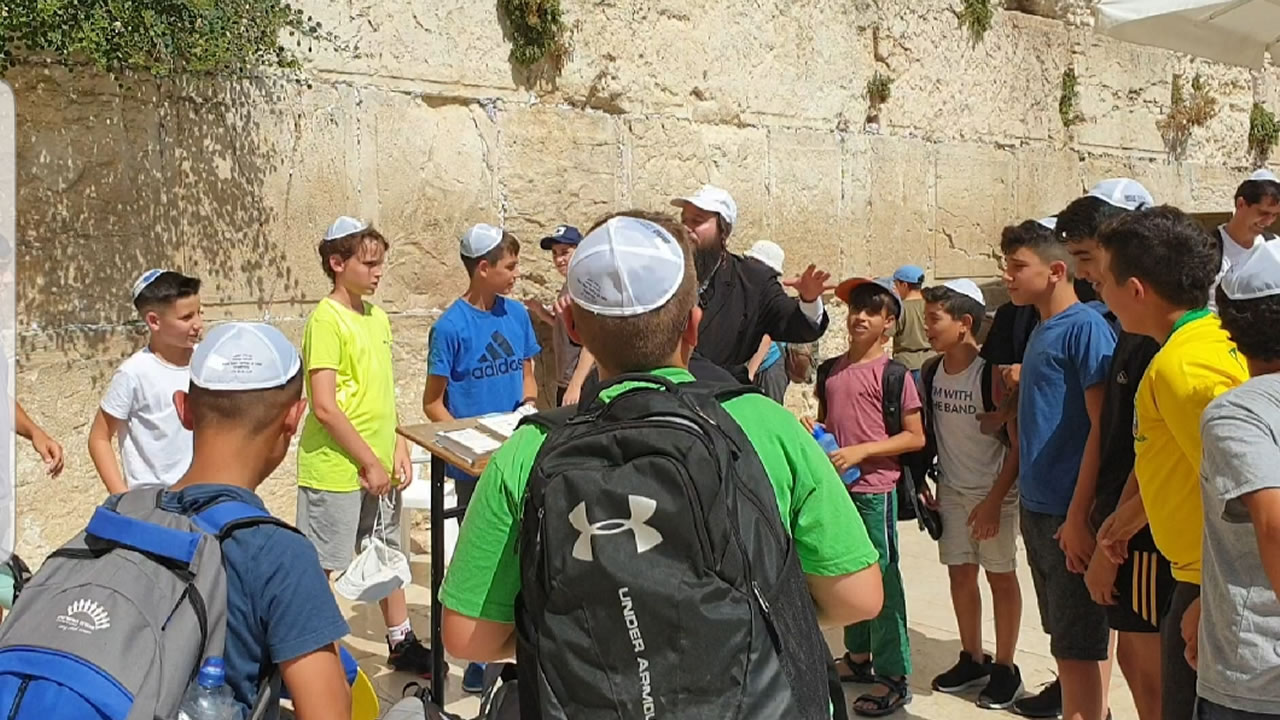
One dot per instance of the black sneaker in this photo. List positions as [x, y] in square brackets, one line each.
[1004, 688]
[964, 674]
[1045, 704]
[411, 656]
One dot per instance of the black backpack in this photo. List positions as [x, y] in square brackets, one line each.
[657, 576]
[914, 466]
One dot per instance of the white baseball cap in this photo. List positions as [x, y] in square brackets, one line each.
[626, 267]
[479, 239]
[244, 356]
[966, 287]
[146, 279]
[768, 252]
[343, 227]
[1264, 174]
[712, 199]
[1257, 276]
[1050, 222]
[1123, 193]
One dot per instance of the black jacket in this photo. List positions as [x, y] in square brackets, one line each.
[742, 303]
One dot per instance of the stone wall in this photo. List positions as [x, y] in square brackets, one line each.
[416, 120]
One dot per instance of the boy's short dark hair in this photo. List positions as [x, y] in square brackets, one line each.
[1084, 217]
[166, 289]
[957, 305]
[1037, 238]
[1252, 325]
[650, 337]
[345, 247]
[1256, 191]
[874, 298]
[508, 245]
[1165, 249]
[254, 411]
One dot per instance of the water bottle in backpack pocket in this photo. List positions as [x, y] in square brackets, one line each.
[117, 622]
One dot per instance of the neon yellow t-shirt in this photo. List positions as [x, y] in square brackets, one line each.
[358, 347]
[828, 533]
[1197, 364]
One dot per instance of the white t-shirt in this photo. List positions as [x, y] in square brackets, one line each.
[1232, 254]
[154, 447]
[968, 459]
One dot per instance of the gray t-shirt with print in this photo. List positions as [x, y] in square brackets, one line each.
[1240, 616]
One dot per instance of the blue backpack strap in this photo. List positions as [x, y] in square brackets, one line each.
[140, 535]
[224, 518]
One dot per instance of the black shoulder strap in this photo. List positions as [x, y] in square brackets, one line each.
[820, 383]
[550, 420]
[927, 375]
[895, 375]
[989, 403]
[233, 527]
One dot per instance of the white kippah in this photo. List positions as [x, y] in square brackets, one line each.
[1256, 276]
[343, 227]
[1123, 193]
[244, 356]
[146, 279]
[479, 239]
[626, 267]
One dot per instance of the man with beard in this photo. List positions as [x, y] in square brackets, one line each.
[741, 301]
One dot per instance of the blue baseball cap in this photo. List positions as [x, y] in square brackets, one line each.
[562, 235]
[913, 274]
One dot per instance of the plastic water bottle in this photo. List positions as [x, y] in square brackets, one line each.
[208, 697]
[830, 445]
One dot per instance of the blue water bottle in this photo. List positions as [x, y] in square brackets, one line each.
[829, 445]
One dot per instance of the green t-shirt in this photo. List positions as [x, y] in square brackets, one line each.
[358, 348]
[829, 536]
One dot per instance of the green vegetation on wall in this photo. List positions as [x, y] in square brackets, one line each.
[538, 31]
[1264, 132]
[1187, 111]
[976, 16]
[161, 37]
[1069, 99]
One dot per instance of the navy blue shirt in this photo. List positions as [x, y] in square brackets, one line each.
[1067, 354]
[482, 353]
[279, 605]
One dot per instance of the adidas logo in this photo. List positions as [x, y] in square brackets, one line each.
[84, 616]
[1122, 378]
[498, 358]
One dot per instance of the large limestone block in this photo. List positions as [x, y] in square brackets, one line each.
[855, 205]
[804, 198]
[1047, 180]
[901, 224]
[1213, 188]
[1225, 139]
[433, 168]
[1005, 88]
[95, 199]
[1124, 90]
[976, 198]
[770, 62]
[1169, 183]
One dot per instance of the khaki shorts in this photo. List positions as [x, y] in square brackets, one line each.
[337, 523]
[957, 546]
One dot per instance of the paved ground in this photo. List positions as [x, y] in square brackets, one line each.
[935, 644]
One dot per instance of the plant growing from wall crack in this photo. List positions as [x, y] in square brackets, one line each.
[879, 87]
[538, 32]
[160, 37]
[976, 16]
[1069, 99]
[1187, 111]
[1264, 132]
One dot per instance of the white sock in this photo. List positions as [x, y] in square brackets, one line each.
[398, 633]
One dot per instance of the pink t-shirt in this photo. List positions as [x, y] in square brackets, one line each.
[855, 414]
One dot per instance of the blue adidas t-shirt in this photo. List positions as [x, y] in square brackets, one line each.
[1066, 354]
[279, 605]
[483, 354]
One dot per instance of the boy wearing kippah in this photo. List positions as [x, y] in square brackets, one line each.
[138, 406]
[245, 403]
[480, 353]
[350, 460]
[1238, 611]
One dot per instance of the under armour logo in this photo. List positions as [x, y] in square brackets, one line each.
[1122, 378]
[642, 508]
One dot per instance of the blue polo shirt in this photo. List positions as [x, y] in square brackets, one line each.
[279, 605]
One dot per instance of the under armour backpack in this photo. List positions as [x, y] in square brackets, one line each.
[657, 577]
[116, 622]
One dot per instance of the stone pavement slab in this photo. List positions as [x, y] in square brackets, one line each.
[935, 644]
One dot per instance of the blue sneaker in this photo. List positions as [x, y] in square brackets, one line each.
[473, 678]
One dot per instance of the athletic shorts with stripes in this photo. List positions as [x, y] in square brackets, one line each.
[1144, 585]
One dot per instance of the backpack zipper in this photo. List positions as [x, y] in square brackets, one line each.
[17, 698]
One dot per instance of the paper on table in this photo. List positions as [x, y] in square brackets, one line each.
[504, 425]
[468, 443]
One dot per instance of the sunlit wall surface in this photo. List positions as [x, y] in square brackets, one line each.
[8, 324]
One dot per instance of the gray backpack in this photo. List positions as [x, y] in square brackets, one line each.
[116, 623]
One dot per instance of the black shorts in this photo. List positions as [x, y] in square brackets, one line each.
[1144, 585]
[1077, 626]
